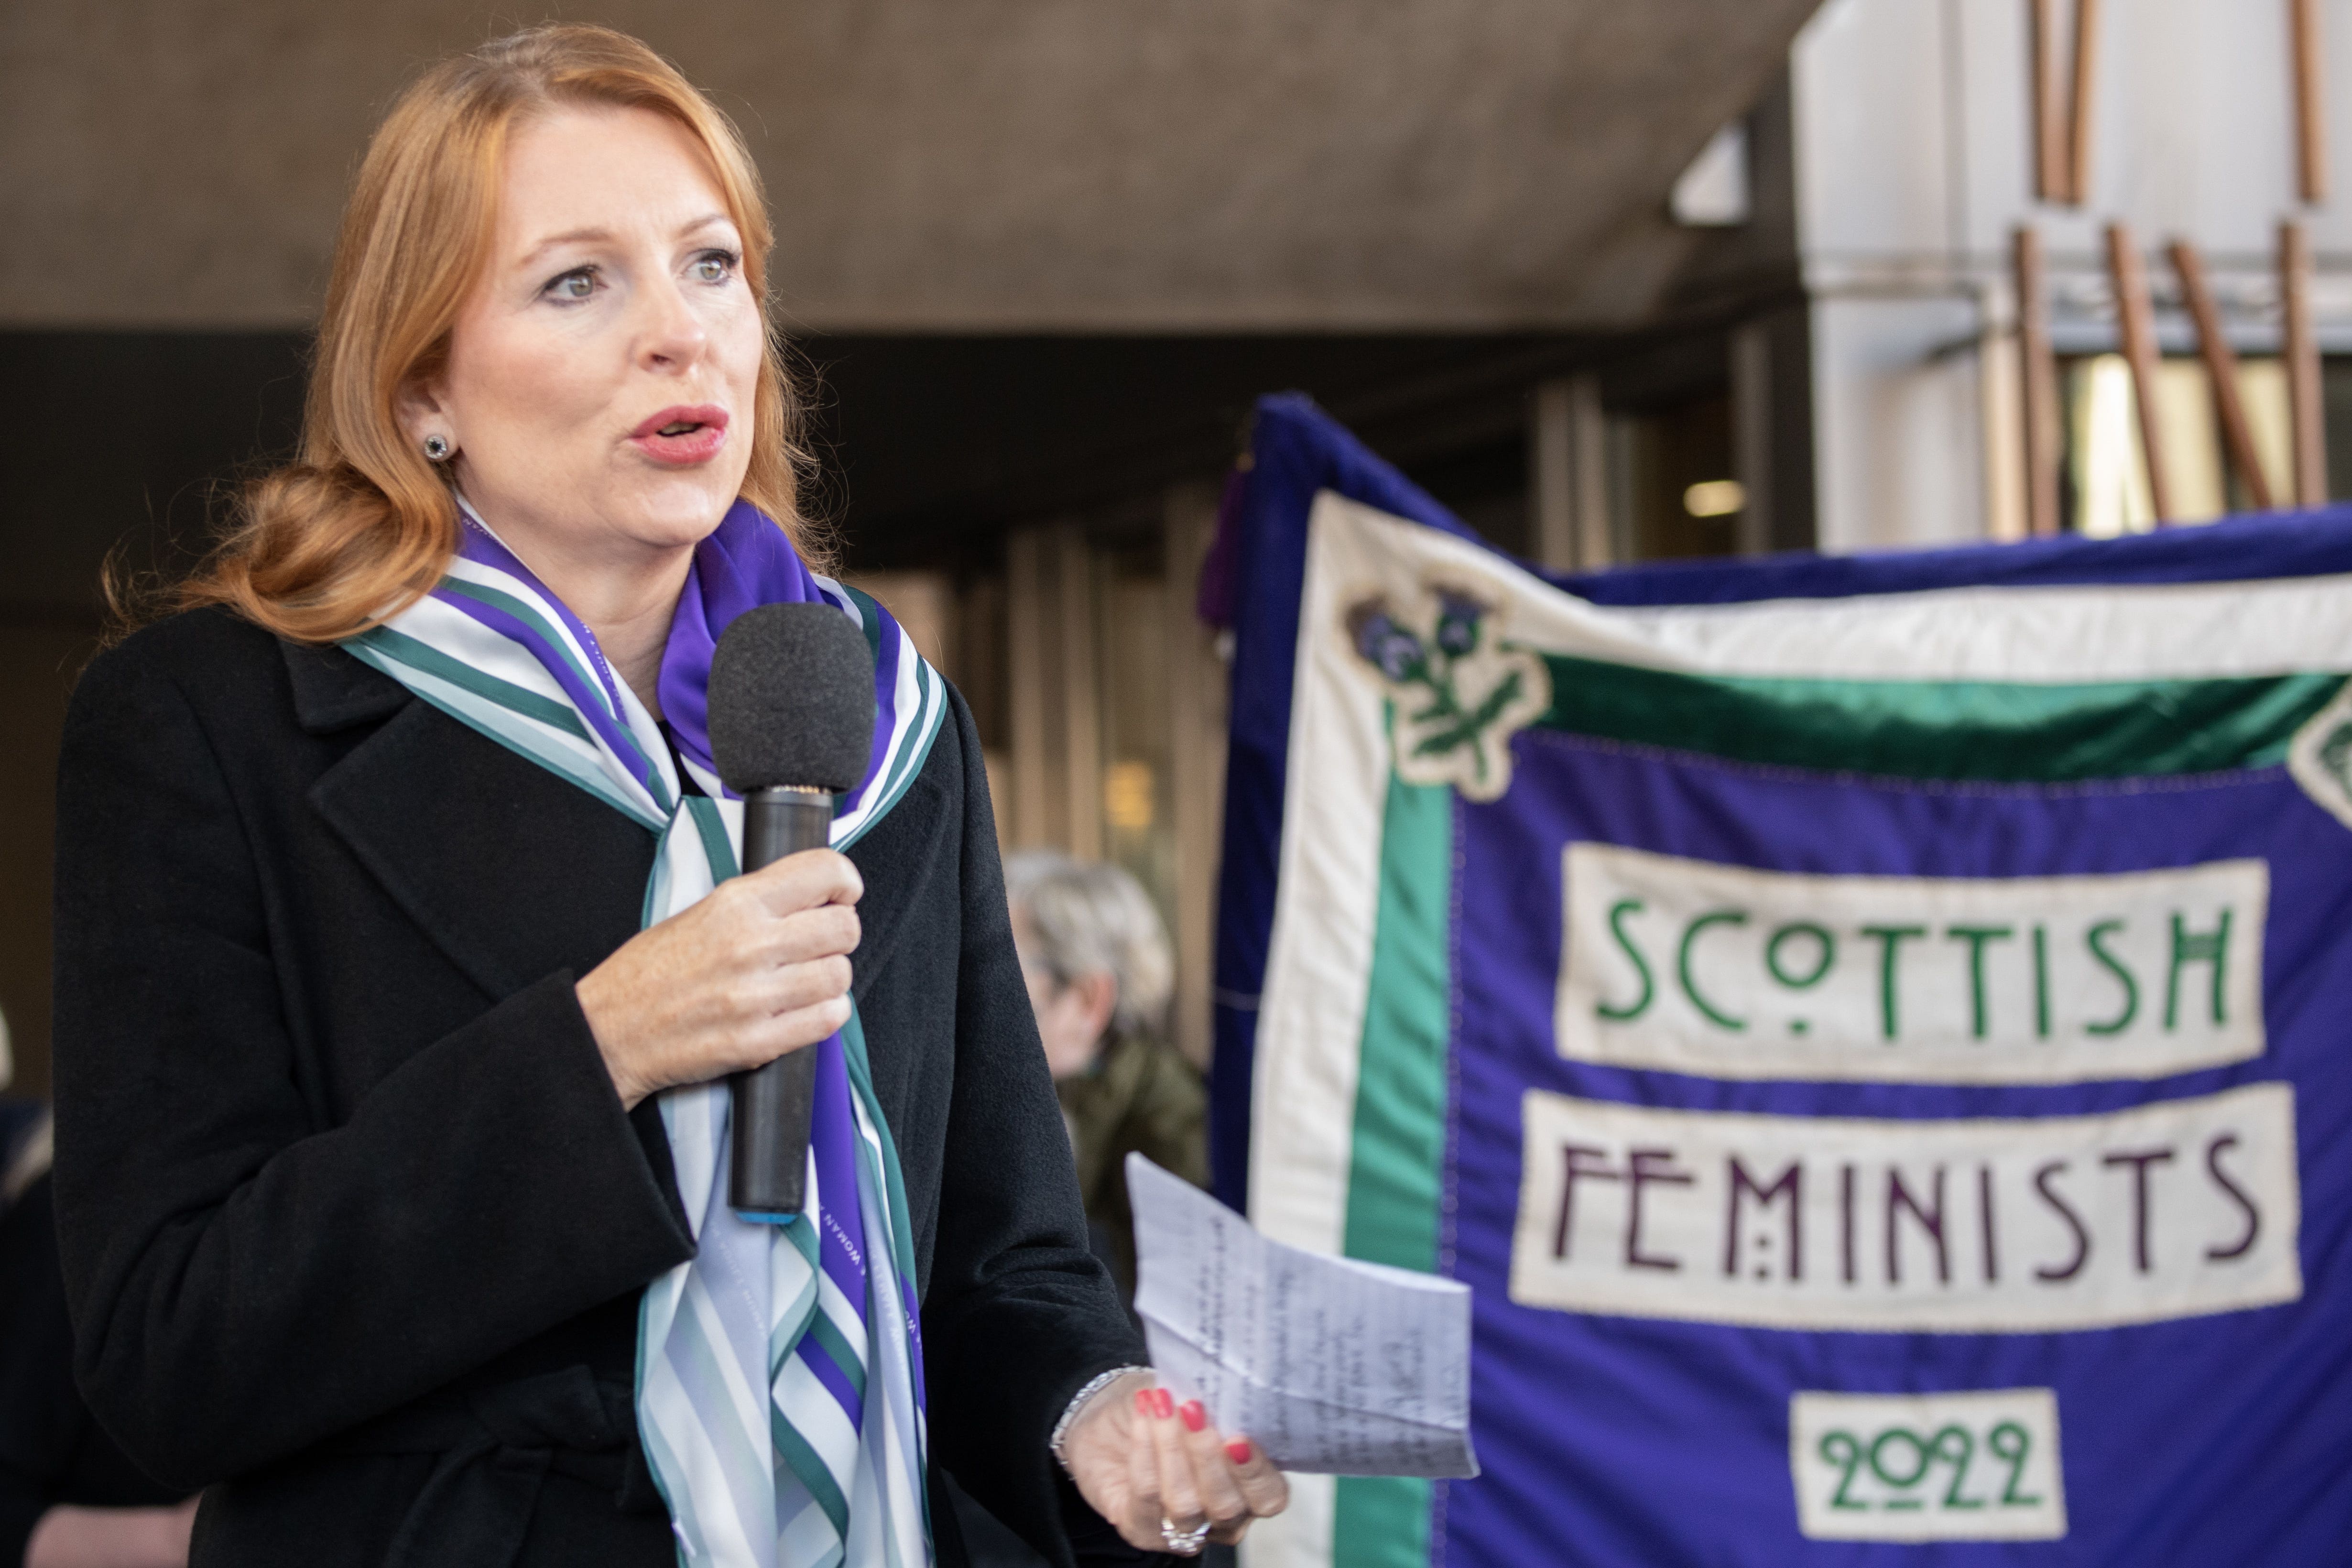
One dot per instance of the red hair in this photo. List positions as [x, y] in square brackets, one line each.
[360, 523]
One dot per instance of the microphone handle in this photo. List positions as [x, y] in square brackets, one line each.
[767, 1176]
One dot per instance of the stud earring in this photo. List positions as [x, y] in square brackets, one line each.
[436, 448]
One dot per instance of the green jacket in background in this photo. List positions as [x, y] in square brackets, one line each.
[1140, 1096]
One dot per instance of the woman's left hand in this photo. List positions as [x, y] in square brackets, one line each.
[1160, 1470]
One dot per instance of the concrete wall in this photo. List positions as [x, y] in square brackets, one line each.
[937, 164]
[1914, 160]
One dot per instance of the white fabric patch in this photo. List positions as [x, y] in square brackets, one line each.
[2173, 1210]
[1976, 1465]
[1301, 1535]
[1319, 960]
[1691, 966]
[2052, 636]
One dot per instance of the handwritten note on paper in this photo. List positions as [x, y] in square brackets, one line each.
[1331, 1365]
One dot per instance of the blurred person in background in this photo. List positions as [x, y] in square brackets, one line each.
[68, 1497]
[1099, 972]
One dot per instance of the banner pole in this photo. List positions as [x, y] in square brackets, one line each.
[2038, 368]
[2221, 370]
[2310, 103]
[2050, 146]
[2301, 349]
[2086, 52]
[2137, 319]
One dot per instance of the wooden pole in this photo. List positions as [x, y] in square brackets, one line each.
[2301, 352]
[2038, 368]
[2221, 370]
[2078, 140]
[2136, 318]
[2310, 106]
[2050, 143]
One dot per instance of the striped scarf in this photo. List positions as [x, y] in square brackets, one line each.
[779, 1385]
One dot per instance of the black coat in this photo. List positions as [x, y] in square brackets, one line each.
[354, 1227]
[50, 1451]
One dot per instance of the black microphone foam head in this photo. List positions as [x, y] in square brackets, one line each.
[792, 700]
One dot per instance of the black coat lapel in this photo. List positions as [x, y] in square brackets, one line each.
[903, 859]
[512, 871]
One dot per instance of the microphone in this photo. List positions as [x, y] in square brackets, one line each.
[792, 725]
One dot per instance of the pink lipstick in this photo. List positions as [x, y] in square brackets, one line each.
[683, 436]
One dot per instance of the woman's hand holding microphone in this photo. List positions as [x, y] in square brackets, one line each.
[759, 968]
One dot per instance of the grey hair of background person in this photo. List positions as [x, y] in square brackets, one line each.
[1093, 918]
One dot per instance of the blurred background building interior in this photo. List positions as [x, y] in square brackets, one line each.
[1615, 282]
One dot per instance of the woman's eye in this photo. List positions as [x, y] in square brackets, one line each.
[715, 267]
[576, 285]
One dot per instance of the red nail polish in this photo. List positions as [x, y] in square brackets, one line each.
[1164, 1403]
[1143, 1402]
[1194, 1416]
[1238, 1450]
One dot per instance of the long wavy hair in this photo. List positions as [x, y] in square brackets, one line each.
[361, 525]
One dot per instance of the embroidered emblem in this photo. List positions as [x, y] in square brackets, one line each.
[1459, 692]
[2320, 757]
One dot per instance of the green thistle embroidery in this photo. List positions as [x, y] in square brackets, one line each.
[1429, 668]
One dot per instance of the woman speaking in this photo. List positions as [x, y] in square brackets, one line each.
[397, 983]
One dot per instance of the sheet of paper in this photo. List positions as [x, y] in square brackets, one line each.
[1331, 1365]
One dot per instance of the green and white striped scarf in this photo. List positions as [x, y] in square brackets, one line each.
[780, 1383]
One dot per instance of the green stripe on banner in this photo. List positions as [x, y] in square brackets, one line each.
[1986, 731]
[1400, 1128]
[1399, 1144]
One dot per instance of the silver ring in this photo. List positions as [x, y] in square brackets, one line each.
[1183, 1543]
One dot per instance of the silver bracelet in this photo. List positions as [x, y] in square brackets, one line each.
[1079, 1403]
